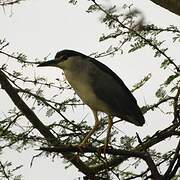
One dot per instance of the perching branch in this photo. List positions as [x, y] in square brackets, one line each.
[122, 154]
[111, 151]
[92, 149]
[155, 139]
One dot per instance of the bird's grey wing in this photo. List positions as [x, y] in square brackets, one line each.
[107, 70]
[112, 90]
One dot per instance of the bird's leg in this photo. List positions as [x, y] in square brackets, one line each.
[95, 127]
[110, 123]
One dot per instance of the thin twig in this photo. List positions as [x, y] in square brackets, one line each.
[4, 171]
[175, 106]
[10, 2]
[115, 18]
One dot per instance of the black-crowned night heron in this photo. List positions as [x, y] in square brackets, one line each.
[98, 87]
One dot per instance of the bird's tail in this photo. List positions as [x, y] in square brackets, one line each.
[136, 118]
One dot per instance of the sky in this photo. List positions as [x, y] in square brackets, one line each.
[41, 28]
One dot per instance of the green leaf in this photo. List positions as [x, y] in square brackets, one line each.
[141, 83]
[136, 46]
[159, 53]
[50, 112]
[92, 8]
[160, 93]
[176, 38]
[170, 79]
[74, 2]
[165, 64]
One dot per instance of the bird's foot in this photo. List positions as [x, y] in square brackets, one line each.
[85, 144]
[103, 149]
[82, 146]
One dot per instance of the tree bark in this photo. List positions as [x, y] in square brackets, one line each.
[171, 5]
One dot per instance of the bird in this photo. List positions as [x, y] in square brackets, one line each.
[99, 88]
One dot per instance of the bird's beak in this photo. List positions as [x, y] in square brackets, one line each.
[48, 63]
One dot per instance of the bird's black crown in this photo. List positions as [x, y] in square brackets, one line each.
[68, 53]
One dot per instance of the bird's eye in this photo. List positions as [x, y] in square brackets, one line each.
[64, 58]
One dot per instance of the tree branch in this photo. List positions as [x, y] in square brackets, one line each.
[31, 116]
[9, 2]
[25, 109]
[115, 18]
[146, 108]
[154, 172]
[155, 139]
[175, 106]
[92, 149]
[176, 167]
[169, 171]
[111, 151]
[4, 171]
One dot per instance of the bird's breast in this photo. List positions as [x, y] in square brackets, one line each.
[81, 84]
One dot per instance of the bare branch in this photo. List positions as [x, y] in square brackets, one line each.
[176, 167]
[4, 171]
[175, 105]
[154, 171]
[176, 157]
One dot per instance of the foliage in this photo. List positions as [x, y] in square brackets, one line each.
[20, 128]
[7, 171]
